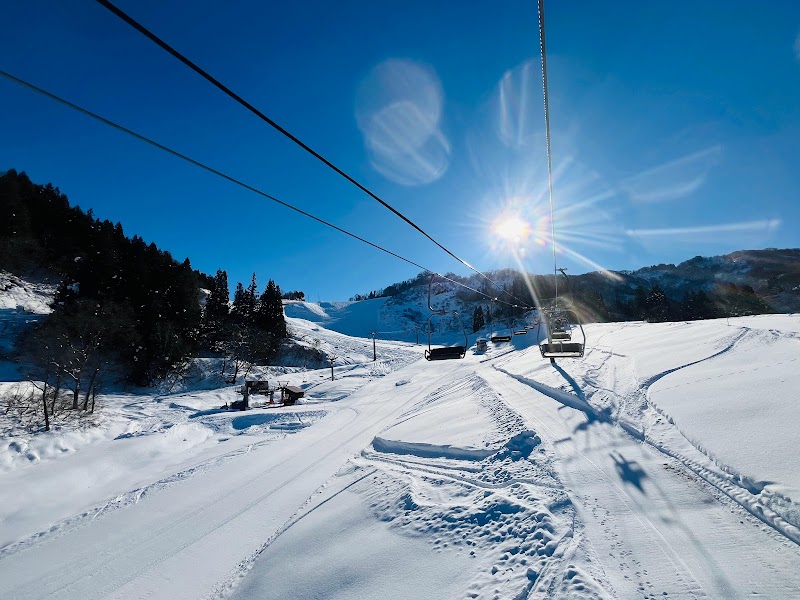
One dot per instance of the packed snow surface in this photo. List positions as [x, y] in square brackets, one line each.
[662, 465]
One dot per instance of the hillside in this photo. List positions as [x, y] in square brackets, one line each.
[123, 308]
[743, 282]
[773, 274]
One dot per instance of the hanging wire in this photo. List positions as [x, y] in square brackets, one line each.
[233, 180]
[226, 90]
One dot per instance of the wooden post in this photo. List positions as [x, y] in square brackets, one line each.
[44, 405]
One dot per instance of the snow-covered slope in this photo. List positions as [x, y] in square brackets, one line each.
[356, 319]
[663, 464]
[403, 317]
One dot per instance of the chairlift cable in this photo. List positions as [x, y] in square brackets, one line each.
[543, 48]
[559, 342]
[222, 87]
[231, 179]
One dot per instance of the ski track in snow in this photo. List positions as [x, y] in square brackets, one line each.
[611, 395]
[727, 481]
[507, 512]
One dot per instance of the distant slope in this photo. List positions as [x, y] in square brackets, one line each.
[355, 319]
[402, 317]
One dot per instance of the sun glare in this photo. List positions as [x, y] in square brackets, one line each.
[511, 228]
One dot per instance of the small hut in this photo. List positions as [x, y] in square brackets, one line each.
[292, 393]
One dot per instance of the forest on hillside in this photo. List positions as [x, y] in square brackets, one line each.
[124, 309]
[680, 295]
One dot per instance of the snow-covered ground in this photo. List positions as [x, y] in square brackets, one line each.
[663, 464]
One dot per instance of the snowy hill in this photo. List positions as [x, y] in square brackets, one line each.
[350, 318]
[402, 317]
[743, 282]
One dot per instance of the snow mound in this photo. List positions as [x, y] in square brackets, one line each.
[462, 420]
[430, 450]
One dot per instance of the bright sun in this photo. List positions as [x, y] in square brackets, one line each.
[511, 228]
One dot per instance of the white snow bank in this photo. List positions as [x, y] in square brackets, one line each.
[425, 450]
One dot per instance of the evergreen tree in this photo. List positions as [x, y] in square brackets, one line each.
[269, 316]
[239, 310]
[263, 319]
[251, 299]
[478, 320]
[218, 303]
[657, 305]
[639, 308]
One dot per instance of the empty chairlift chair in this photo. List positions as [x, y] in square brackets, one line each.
[505, 336]
[443, 352]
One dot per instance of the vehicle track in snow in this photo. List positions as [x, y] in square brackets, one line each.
[75, 566]
[89, 575]
[512, 498]
[122, 500]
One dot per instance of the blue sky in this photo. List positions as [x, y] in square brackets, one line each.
[675, 129]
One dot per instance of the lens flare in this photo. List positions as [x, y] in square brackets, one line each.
[398, 110]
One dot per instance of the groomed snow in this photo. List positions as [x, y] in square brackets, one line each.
[743, 407]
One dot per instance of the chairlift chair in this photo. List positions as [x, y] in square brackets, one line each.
[446, 352]
[443, 352]
[559, 343]
[499, 338]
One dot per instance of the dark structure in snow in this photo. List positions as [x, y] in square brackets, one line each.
[292, 394]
